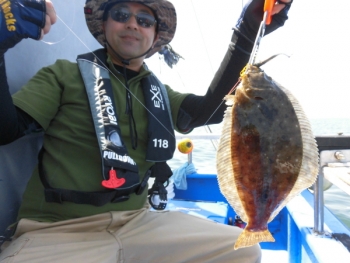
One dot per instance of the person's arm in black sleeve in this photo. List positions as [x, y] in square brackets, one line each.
[33, 19]
[196, 110]
[8, 115]
[209, 109]
[14, 123]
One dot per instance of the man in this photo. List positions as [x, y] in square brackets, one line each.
[108, 124]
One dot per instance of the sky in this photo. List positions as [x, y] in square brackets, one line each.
[316, 35]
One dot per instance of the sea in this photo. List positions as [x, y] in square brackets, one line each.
[204, 160]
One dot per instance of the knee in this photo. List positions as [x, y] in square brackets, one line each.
[252, 254]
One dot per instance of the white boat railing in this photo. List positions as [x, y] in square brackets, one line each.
[334, 166]
[210, 136]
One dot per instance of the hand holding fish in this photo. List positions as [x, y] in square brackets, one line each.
[252, 15]
[24, 19]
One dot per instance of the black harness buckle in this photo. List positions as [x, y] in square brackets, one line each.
[158, 189]
[144, 183]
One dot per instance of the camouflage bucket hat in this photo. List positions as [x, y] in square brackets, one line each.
[164, 11]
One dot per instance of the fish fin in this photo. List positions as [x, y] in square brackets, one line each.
[309, 167]
[249, 238]
[225, 173]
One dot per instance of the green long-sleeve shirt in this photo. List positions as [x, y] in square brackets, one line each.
[56, 98]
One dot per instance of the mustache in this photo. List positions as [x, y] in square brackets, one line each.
[130, 34]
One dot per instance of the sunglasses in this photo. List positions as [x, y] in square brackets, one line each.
[123, 15]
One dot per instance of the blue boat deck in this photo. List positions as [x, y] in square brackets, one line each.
[292, 228]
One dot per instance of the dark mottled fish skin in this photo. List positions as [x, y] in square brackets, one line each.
[265, 135]
[271, 150]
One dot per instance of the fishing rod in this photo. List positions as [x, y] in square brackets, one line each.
[268, 6]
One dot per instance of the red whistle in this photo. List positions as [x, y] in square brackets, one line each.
[113, 181]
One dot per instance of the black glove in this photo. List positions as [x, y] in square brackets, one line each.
[20, 19]
[252, 15]
[161, 172]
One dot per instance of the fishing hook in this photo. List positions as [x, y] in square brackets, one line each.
[268, 59]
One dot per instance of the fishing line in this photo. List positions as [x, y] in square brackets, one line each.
[67, 34]
[178, 73]
[212, 70]
[231, 91]
[214, 112]
[200, 30]
[162, 62]
[117, 78]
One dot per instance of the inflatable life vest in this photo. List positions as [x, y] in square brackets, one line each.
[119, 170]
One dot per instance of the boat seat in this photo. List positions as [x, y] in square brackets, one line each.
[17, 161]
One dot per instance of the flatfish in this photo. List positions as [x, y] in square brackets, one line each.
[267, 153]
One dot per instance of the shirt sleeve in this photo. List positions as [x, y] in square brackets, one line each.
[41, 96]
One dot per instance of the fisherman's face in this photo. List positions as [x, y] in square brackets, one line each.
[129, 39]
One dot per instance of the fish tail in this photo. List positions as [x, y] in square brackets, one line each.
[248, 238]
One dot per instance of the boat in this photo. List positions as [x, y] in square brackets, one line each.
[305, 230]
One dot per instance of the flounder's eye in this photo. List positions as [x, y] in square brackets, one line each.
[258, 98]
